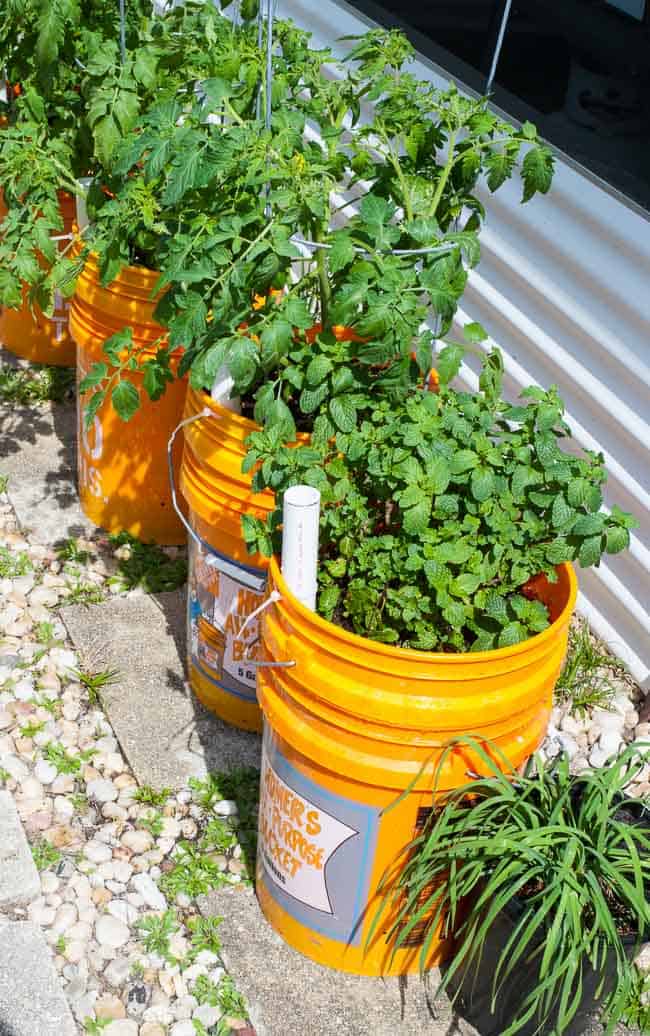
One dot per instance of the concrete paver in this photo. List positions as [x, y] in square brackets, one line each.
[31, 999]
[19, 880]
[285, 990]
[164, 731]
[37, 453]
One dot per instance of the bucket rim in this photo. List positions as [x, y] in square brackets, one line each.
[331, 629]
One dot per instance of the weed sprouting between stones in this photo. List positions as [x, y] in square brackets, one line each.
[63, 761]
[148, 796]
[586, 678]
[156, 931]
[94, 682]
[146, 565]
[36, 384]
[70, 550]
[14, 564]
[45, 855]
[151, 822]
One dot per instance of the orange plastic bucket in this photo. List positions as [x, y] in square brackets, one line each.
[225, 582]
[349, 728]
[123, 480]
[32, 335]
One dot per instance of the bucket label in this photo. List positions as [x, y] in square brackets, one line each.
[316, 849]
[222, 595]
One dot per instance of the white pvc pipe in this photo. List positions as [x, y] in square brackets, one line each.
[222, 387]
[80, 202]
[301, 513]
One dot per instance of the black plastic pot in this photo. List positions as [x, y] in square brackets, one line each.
[475, 988]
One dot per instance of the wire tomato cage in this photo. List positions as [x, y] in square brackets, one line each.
[266, 14]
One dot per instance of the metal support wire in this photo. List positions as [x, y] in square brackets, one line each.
[498, 46]
[123, 31]
[268, 16]
[433, 250]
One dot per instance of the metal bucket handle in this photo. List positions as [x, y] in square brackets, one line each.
[274, 595]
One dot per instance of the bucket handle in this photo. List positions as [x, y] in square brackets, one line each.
[274, 596]
[206, 412]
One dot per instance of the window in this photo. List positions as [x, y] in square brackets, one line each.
[579, 69]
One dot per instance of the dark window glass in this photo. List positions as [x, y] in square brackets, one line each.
[579, 69]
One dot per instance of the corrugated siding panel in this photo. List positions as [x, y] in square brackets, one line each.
[564, 288]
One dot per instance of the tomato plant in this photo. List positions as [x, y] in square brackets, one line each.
[212, 201]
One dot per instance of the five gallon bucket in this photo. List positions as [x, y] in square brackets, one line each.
[123, 479]
[26, 331]
[226, 584]
[349, 726]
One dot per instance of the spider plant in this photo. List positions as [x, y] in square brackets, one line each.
[566, 860]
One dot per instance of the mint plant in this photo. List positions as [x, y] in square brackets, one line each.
[440, 509]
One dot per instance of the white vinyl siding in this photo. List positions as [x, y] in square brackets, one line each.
[563, 287]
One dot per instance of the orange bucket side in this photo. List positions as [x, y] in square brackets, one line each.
[123, 479]
[226, 583]
[350, 728]
[29, 333]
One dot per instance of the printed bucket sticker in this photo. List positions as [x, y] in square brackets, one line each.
[316, 849]
[222, 594]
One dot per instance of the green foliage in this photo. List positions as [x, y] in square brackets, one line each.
[195, 872]
[151, 822]
[150, 797]
[4, 483]
[12, 565]
[31, 728]
[80, 592]
[94, 682]
[44, 632]
[156, 930]
[35, 384]
[439, 509]
[147, 566]
[586, 678]
[569, 856]
[206, 991]
[95, 1027]
[63, 761]
[204, 935]
[636, 1014]
[186, 200]
[45, 855]
[242, 786]
[70, 550]
[231, 1002]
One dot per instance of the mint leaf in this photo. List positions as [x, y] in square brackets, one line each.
[343, 413]
[590, 551]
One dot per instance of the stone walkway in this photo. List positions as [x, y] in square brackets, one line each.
[125, 900]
